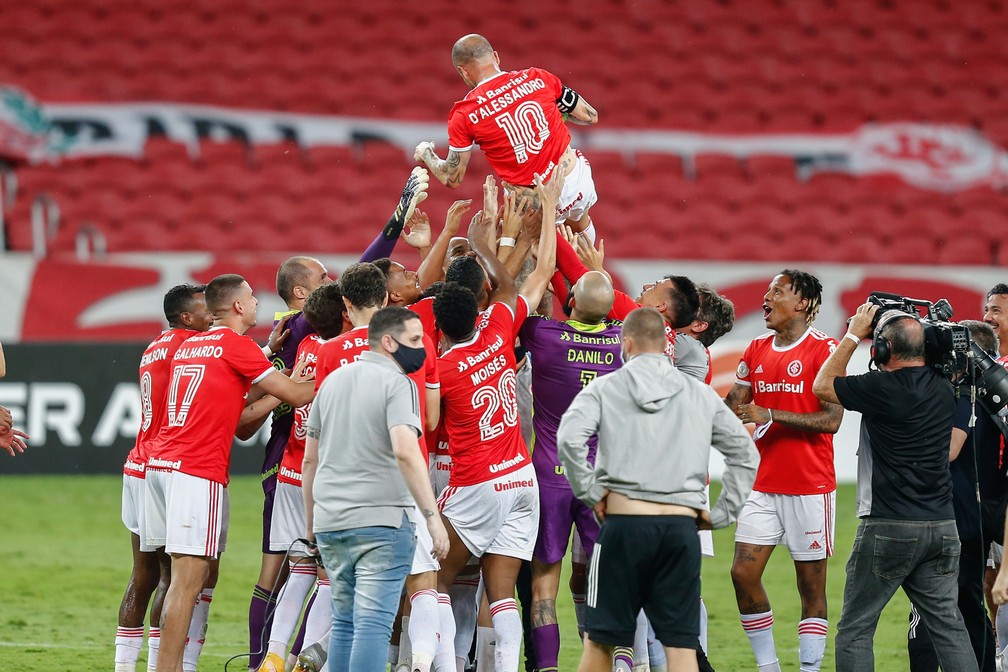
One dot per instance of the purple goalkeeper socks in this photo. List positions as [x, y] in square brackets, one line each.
[546, 644]
[262, 602]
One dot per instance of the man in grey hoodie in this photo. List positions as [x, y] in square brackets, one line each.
[655, 427]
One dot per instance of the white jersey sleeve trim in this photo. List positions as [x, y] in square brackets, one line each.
[743, 382]
[461, 149]
[262, 376]
[433, 386]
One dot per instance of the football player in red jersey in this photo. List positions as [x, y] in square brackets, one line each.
[517, 119]
[793, 499]
[491, 503]
[186, 312]
[187, 472]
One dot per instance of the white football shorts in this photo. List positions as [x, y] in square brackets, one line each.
[287, 523]
[186, 514]
[440, 471]
[133, 508]
[578, 193]
[804, 523]
[499, 516]
[423, 561]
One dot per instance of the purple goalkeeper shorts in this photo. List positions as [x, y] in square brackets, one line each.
[559, 510]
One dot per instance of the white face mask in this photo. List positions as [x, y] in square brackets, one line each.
[623, 356]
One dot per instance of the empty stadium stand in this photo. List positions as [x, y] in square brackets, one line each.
[727, 66]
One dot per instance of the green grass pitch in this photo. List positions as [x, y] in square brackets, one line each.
[64, 561]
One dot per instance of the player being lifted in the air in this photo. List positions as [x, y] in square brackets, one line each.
[517, 119]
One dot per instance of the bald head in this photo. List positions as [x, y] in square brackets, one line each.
[906, 334]
[471, 48]
[593, 297]
[644, 331]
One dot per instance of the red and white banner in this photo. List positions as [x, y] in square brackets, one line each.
[940, 157]
[119, 297]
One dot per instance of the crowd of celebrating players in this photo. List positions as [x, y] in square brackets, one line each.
[485, 400]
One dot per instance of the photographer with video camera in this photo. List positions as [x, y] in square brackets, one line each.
[907, 536]
[978, 499]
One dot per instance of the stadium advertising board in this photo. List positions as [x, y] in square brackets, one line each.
[80, 403]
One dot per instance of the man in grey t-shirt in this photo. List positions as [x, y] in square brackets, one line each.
[362, 471]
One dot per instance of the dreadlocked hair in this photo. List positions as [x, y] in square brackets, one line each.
[807, 286]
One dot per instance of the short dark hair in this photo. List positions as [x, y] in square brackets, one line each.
[983, 335]
[807, 286]
[433, 290]
[178, 300]
[467, 272]
[717, 311]
[324, 310]
[455, 311]
[647, 327]
[685, 300]
[221, 291]
[292, 272]
[906, 334]
[1000, 288]
[390, 320]
[384, 265]
[363, 285]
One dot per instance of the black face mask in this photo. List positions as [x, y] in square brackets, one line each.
[410, 359]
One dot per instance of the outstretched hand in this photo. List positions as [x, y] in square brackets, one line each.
[454, 217]
[13, 441]
[413, 194]
[279, 334]
[419, 235]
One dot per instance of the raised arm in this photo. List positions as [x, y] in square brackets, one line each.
[413, 194]
[576, 109]
[538, 280]
[480, 230]
[432, 267]
[449, 171]
[836, 366]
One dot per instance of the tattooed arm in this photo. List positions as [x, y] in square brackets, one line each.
[449, 171]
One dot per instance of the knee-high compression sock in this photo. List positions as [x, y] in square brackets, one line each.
[811, 643]
[508, 629]
[486, 645]
[197, 631]
[299, 638]
[153, 647]
[444, 659]
[546, 641]
[759, 630]
[465, 609]
[319, 619]
[261, 603]
[288, 607]
[423, 629]
[590, 232]
[128, 643]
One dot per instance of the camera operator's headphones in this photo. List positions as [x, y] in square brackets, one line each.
[881, 348]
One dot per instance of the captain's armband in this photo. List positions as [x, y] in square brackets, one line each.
[568, 100]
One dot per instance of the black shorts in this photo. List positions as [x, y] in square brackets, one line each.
[649, 562]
